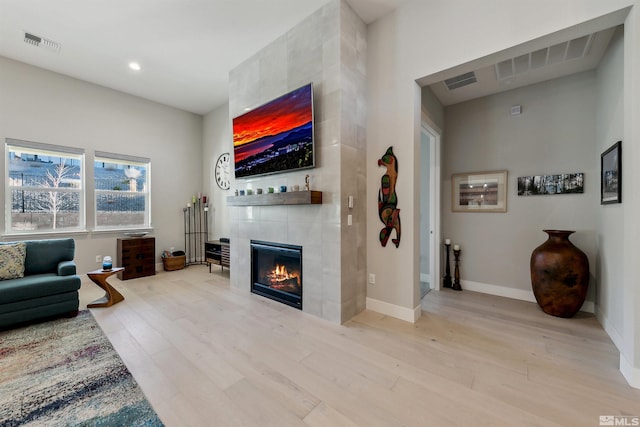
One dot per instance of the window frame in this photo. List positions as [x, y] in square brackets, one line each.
[123, 159]
[22, 146]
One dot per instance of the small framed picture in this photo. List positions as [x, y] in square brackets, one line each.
[479, 192]
[611, 175]
[565, 183]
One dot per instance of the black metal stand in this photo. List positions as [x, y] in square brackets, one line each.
[196, 231]
[446, 282]
[456, 274]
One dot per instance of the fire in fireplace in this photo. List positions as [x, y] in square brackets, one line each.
[276, 272]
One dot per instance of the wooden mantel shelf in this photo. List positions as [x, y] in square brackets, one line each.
[275, 199]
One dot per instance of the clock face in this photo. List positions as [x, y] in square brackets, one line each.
[223, 171]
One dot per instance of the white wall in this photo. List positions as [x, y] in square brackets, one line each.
[610, 129]
[217, 139]
[555, 134]
[426, 38]
[629, 248]
[432, 107]
[42, 106]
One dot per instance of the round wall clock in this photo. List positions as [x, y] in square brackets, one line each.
[223, 171]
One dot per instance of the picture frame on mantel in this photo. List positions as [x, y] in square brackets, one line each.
[611, 175]
[479, 192]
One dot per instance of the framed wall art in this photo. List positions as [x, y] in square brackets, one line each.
[566, 183]
[611, 175]
[479, 192]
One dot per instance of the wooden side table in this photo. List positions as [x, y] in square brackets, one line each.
[112, 296]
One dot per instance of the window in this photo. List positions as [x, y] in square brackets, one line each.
[44, 187]
[122, 191]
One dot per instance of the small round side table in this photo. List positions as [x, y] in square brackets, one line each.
[112, 296]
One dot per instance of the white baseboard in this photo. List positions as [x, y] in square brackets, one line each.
[402, 313]
[588, 307]
[520, 294]
[609, 329]
[631, 374]
[501, 291]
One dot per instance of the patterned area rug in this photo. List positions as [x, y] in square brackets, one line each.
[66, 373]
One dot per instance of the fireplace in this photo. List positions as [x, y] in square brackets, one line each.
[276, 272]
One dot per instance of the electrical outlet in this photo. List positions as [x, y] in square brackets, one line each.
[372, 279]
[98, 258]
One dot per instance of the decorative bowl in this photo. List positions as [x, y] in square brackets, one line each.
[136, 233]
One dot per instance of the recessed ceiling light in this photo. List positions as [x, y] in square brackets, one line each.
[135, 66]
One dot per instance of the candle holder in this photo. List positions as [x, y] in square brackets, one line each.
[456, 273]
[446, 282]
[196, 231]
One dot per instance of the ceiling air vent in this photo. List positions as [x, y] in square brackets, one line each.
[461, 80]
[38, 41]
[556, 54]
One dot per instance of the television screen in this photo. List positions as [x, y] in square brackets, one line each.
[275, 137]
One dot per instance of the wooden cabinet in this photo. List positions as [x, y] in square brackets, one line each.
[138, 257]
[217, 252]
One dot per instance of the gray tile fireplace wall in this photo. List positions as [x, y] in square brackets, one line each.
[328, 49]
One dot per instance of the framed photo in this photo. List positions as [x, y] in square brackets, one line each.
[479, 192]
[566, 183]
[611, 175]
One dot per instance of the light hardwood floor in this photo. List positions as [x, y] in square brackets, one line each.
[208, 355]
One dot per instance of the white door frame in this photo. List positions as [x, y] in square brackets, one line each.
[434, 132]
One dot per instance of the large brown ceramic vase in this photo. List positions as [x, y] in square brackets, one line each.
[559, 275]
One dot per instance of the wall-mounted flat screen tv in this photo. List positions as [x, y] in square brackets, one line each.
[275, 137]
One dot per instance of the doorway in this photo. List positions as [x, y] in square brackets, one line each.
[429, 208]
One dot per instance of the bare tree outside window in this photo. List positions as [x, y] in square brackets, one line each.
[56, 201]
[45, 187]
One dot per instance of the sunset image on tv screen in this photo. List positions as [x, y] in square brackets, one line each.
[275, 137]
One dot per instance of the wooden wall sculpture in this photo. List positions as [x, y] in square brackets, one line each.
[388, 200]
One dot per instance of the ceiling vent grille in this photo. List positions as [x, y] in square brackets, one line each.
[561, 52]
[42, 42]
[461, 80]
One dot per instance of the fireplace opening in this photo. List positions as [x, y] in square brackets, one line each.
[276, 272]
